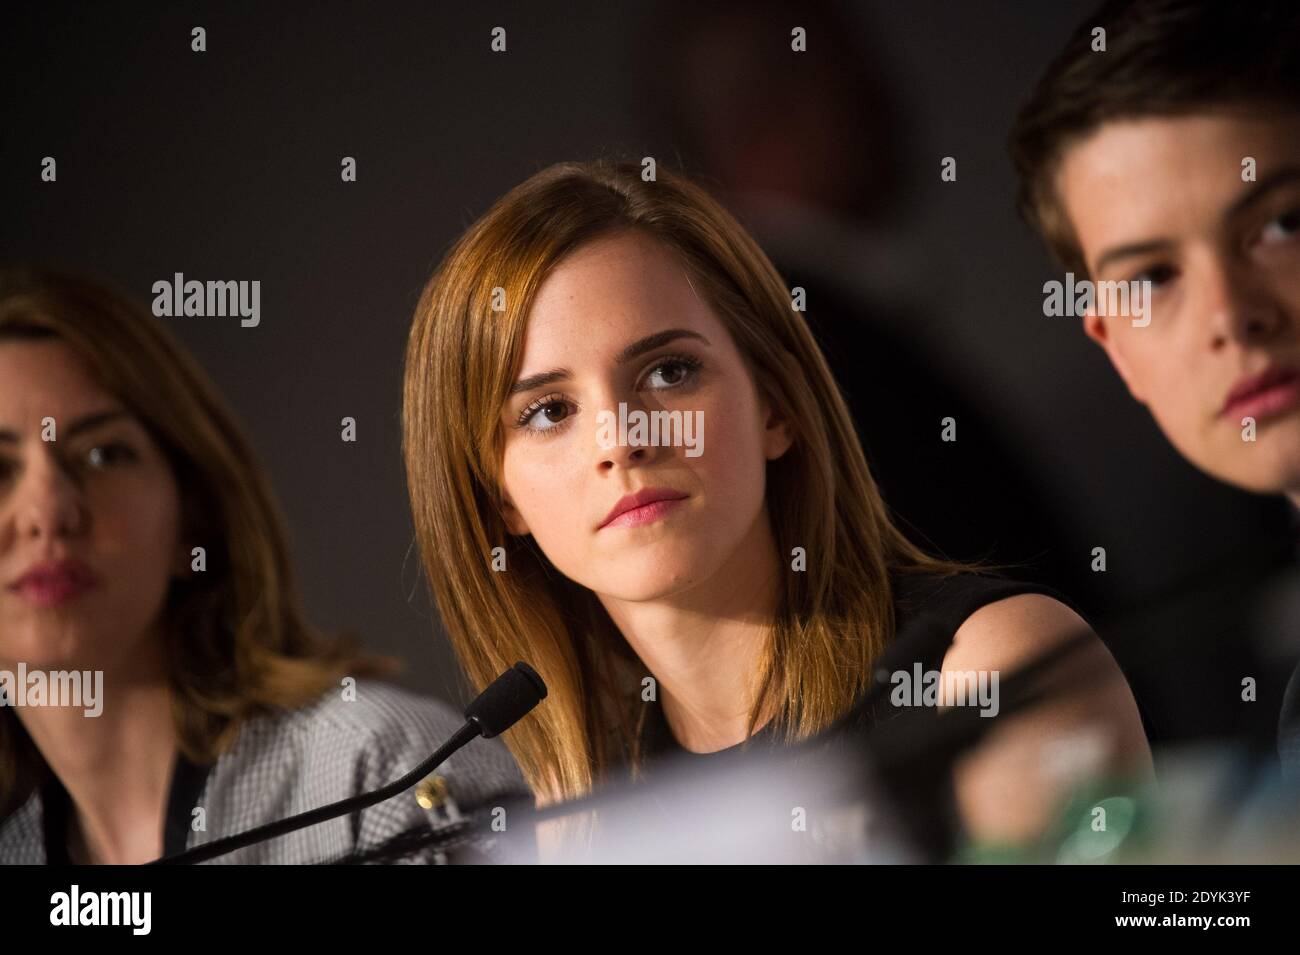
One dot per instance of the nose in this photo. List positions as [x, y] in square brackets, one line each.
[617, 433]
[628, 457]
[1240, 307]
[46, 502]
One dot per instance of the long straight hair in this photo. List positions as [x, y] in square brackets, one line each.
[833, 618]
[237, 641]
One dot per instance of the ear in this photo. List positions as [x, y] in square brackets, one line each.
[777, 434]
[515, 522]
[1094, 326]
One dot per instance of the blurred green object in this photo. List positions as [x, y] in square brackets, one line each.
[1106, 821]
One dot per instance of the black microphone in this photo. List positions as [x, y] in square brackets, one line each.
[506, 700]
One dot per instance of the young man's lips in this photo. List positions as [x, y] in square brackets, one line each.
[1273, 394]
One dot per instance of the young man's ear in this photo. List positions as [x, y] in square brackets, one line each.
[1094, 326]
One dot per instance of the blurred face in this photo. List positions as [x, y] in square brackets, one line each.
[1162, 199]
[88, 522]
[618, 322]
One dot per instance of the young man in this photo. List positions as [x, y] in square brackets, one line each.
[1163, 147]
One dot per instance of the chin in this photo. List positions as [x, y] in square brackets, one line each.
[1267, 477]
[653, 575]
[44, 646]
[1268, 465]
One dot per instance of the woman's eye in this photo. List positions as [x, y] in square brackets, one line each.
[1282, 228]
[548, 413]
[680, 368]
[544, 410]
[106, 455]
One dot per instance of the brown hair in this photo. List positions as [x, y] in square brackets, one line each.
[237, 641]
[832, 621]
[1162, 58]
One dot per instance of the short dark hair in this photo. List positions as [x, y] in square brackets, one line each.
[1162, 58]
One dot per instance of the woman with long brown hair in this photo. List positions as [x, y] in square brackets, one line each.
[140, 545]
[739, 579]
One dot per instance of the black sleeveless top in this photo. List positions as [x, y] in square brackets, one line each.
[928, 611]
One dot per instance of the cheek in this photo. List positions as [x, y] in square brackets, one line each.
[1159, 380]
[135, 540]
[1176, 409]
[1288, 285]
[541, 478]
[131, 544]
[1159, 370]
[138, 522]
[1180, 397]
[733, 461]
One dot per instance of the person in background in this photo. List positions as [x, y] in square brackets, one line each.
[1172, 157]
[139, 541]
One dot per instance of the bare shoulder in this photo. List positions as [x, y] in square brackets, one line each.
[1010, 632]
[1085, 723]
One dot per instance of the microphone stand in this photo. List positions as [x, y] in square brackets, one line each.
[506, 700]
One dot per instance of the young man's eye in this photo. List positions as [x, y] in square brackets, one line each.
[1282, 228]
[541, 410]
[1157, 275]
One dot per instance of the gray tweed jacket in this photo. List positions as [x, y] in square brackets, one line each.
[287, 763]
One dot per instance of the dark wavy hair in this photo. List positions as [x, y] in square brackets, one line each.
[1162, 58]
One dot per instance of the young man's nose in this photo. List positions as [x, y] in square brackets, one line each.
[1240, 306]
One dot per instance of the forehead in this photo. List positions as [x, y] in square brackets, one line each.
[1139, 179]
[609, 289]
[44, 378]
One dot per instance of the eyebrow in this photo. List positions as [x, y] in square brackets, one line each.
[81, 425]
[1130, 251]
[1282, 177]
[629, 353]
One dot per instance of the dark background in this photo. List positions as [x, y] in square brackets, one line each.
[225, 165]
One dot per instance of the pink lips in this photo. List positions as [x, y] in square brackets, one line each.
[53, 582]
[1275, 390]
[646, 505]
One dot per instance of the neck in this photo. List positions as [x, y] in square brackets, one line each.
[116, 767]
[705, 645]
